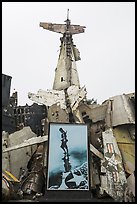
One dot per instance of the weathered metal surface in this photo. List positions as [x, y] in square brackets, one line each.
[123, 135]
[66, 71]
[113, 170]
[77, 116]
[96, 152]
[94, 112]
[114, 182]
[61, 28]
[25, 153]
[45, 125]
[10, 185]
[126, 143]
[10, 177]
[76, 95]
[94, 178]
[42, 139]
[131, 183]
[57, 114]
[75, 56]
[122, 111]
[49, 97]
[128, 155]
[62, 79]
[34, 181]
[108, 118]
[5, 156]
[26, 143]
[127, 147]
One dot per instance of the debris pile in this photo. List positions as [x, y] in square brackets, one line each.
[111, 131]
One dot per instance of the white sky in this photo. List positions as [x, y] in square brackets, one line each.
[107, 48]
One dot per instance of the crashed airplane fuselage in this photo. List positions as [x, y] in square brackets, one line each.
[111, 132]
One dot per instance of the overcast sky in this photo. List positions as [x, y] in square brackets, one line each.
[107, 48]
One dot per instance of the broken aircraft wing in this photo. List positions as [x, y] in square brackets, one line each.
[61, 28]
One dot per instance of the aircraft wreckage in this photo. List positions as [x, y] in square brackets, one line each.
[107, 174]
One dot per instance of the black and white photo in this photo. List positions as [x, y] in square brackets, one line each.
[68, 157]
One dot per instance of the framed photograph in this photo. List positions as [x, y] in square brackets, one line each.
[68, 155]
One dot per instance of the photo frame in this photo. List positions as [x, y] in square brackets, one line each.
[68, 157]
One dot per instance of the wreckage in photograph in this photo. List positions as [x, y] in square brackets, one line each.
[43, 151]
[68, 146]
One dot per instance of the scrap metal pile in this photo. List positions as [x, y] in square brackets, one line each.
[111, 132]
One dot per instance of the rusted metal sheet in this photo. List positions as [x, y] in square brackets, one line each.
[122, 111]
[114, 182]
